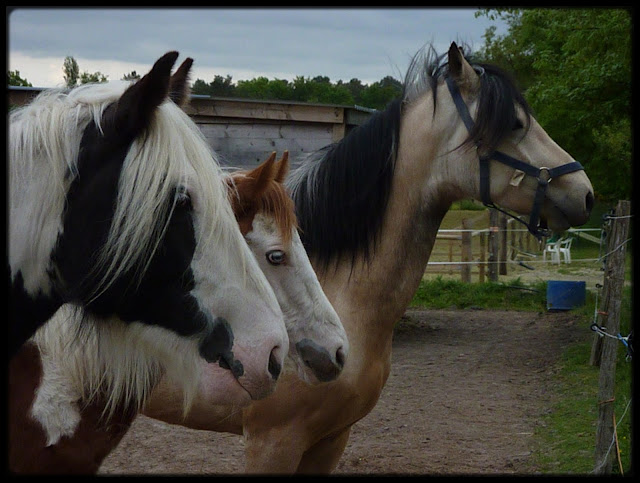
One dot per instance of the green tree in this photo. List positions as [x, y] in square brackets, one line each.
[218, 87]
[14, 79]
[318, 89]
[72, 74]
[200, 87]
[71, 71]
[379, 94]
[355, 87]
[279, 89]
[133, 75]
[257, 88]
[575, 67]
[87, 78]
[222, 86]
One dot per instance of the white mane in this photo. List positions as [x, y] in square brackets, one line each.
[108, 361]
[172, 153]
[44, 140]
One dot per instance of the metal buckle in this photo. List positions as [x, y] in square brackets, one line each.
[544, 170]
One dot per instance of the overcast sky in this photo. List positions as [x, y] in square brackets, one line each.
[367, 44]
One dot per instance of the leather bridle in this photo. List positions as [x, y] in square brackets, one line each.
[543, 175]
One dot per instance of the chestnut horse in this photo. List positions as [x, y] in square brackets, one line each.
[67, 406]
[369, 208]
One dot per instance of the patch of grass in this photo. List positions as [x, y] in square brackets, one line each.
[470, 205]
[439, 293]
[565, 439]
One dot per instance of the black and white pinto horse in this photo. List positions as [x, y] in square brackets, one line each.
[118, 206]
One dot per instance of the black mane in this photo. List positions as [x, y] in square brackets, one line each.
[341, 191]
[496, 116]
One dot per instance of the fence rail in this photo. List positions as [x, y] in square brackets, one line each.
[488, 252]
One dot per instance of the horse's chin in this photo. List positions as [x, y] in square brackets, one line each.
[556, 221]
[219, 386]
[307, 375]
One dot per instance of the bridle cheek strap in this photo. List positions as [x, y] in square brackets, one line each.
[543, 175]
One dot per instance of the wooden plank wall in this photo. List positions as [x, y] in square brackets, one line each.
[245, 132]
[247, 145]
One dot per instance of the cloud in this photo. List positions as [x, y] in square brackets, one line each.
[368, 44]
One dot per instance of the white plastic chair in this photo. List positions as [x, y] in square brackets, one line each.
[565, 249]
[553, 249]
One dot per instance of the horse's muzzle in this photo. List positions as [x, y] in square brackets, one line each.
[216, 347]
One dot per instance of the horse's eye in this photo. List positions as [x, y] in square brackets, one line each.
[183, 199]
[276, 257]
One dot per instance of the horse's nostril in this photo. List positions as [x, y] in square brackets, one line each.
[340, 358]
[320, 361]
[589, 201]
[274, 363]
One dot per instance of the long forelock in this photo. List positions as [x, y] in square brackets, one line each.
[171, 153]
[49, 129]
[497, 101]
[43, 145]
[273, 202]
[279, 205]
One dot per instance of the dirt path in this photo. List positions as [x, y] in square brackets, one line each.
[466, 392]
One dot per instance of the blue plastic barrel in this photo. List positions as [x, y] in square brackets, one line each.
[563, 295]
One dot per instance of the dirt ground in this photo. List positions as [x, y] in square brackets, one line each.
[467, 390]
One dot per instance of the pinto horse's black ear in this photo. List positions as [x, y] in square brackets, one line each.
[179, 89]
[134, 110]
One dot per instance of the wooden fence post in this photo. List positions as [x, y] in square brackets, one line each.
[596, 347]
[466, 255]
[481, 263]
[503, 245]
[614, 277]
[492, 244]
[450, 256]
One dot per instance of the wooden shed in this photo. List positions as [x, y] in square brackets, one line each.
[244, 132]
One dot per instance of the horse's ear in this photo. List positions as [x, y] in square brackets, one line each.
[460, 69]
[135, 108]
[262, 175]
[179, 89]
[283, 168]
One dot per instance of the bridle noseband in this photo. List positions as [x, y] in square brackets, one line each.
[543, 175]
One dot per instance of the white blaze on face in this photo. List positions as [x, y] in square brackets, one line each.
[307, 311]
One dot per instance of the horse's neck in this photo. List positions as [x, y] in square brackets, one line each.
[371, 297]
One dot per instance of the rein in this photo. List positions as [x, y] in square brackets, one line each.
[543, 175]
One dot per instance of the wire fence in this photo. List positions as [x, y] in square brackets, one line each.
[505, 247]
